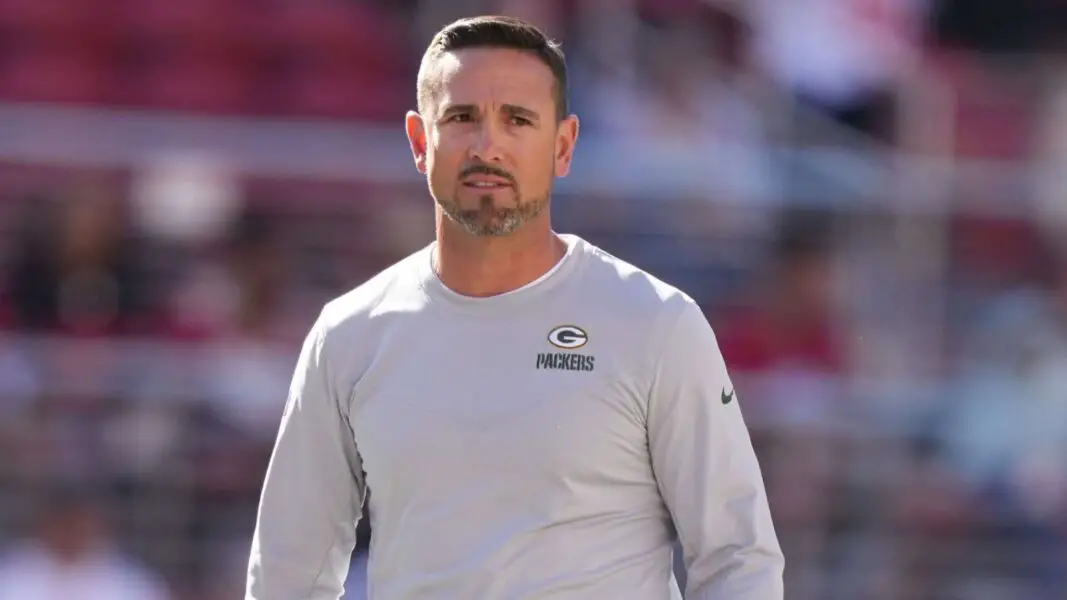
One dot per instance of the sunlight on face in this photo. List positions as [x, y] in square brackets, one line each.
[493, 141]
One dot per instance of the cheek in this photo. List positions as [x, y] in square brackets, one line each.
[442, 153]
[441, 175]
[541, 166]
[441, 160]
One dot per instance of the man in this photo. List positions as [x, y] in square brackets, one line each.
[536, 418]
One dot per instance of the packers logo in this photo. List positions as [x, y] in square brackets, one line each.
[568, 337]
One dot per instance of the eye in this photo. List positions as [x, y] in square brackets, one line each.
[520, 121]
[459, 118]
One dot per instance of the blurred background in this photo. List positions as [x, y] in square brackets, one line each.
[866, 196]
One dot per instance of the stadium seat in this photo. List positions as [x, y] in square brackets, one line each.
[55, 73]
[189, 81]
[192, 55]
[56, 22]
[187, 19]
[666, 11]
[992, 110]
[336, 60]
[58, 16]
[355, 30]
[333, 91]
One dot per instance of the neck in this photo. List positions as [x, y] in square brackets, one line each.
[490, 266]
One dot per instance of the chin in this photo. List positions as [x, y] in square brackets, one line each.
[492, 227]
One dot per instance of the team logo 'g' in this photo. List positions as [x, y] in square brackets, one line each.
[568, 337]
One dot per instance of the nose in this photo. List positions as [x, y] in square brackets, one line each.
[486, 143]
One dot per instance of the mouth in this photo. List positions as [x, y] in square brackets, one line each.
[486, 183]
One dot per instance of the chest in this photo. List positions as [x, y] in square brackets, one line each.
[557, 405]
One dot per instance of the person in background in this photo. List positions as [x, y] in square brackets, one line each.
[72, 555]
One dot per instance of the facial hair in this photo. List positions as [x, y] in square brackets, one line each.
[489, 220]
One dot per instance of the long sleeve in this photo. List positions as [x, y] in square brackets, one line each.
[707, 471]
[312, 494]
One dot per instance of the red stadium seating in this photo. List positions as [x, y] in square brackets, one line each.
[56, 16]
[187, 81]
[55, 51]
[336, 60]
[193, 20]
[189, 55]
[307, 57]
[336, 92]
[45, 71]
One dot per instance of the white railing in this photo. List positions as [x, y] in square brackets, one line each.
[853, 176]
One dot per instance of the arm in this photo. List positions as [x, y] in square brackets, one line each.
[707, 470]
[312, 495]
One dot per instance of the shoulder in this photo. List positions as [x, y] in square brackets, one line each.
[632, 292]
[344, 337]
[649, 322]
[351, 320]
[392, 290]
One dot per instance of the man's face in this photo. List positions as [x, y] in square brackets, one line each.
[489, 141]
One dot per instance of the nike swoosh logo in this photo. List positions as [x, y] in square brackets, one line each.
[727, 398]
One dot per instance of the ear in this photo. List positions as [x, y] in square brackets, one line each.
[566, 138]
[416, 130]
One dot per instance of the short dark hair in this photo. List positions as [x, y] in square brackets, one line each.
[495, 32]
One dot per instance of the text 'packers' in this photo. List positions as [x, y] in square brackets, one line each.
[564, 361]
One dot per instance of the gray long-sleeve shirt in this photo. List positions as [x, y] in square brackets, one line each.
[546, 443]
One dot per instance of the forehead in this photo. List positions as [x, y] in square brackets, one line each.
[495, 75]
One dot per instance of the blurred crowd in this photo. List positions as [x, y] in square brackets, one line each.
[866, 196]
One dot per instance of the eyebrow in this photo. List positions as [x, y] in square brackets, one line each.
[512, 110]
